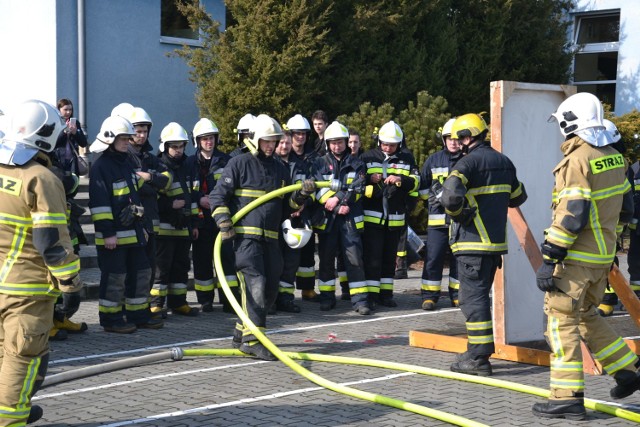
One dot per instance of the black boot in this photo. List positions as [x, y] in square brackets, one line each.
[570, 409]
[258, 350]
[627, 383]
[327, 300]
[35, 414]
[401, 268]
[480, 367]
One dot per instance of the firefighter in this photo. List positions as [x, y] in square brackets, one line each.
[291, 247]
[118, 216]
[303, 155]
[391, 175]
[476, 195]
[355, 146]
[205, 167]
[242, 131]
[178, 226]
[610, 299]
[36, 252]
[257, 253]
[155, 176]
[339, 220]
[437, 250]
[592, 199]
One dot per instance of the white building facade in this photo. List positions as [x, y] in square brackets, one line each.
[606, 35]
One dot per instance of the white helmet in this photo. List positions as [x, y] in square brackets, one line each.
[244, 126]
[298, 123]
[172, 132]
[33, 126]
[138, 116]
[390, 133]
[204, 127]
[123, 109]
[612, 129]
[263, 127]
[112, 127]
[578, 112]
[296, 238]
[336, 130]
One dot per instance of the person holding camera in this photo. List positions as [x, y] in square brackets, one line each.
[118, 216]
[178, 226]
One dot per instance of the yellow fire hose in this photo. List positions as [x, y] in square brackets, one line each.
[287, 357]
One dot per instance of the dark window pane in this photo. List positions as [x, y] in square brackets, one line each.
[595, 66]
[173, 23]
[605, 92]
[599, 29]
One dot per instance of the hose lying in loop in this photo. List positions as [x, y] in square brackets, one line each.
[287, 360]
[317, 379]
[492, 382]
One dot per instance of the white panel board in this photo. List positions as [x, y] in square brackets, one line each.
[533, 145]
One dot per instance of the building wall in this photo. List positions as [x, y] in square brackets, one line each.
[29, 50]
[126, 61]
[628, 80]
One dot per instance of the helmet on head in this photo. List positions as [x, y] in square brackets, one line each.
[296, 237]
[612, 129]
[578, 112]
[112, 127]
[172, 132]
[123, 109]
[262, 127]
[244, 126]
[138, 116]
[445, 130]
[33, 126]
[298, 123]
[204, 127]
[582, 115]
[335, 130]
[390, 133]
[471, 124]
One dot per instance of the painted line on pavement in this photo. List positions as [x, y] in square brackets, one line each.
[268, 332]
[251, 400]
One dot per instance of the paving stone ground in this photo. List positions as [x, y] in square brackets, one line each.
[241, 391]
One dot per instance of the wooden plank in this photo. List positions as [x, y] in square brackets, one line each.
[525, 237]
[624, 292]
[459, 345]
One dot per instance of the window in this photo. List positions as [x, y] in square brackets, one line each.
[174, 27]
[595, 66]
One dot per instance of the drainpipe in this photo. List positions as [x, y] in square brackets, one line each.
[81, 74]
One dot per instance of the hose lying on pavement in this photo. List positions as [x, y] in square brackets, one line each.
[288, 357]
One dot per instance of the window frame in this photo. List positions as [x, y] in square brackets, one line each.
[593, 48]
[180, 40]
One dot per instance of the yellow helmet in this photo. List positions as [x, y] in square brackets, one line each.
[468, 125]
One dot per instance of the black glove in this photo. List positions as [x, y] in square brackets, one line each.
[389, 191]
[544, 277]
[308, 187]
[227, 231]
[466, 216]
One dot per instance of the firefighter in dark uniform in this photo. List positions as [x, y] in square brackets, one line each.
[178, 226]
[36, 254]
[339, 221]
[476, 195]
[118, 216]
[299, 170]
[391, 175]
[437, 250]
[205, 167]
[155, 175]
[257, 252]
[303, 154]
